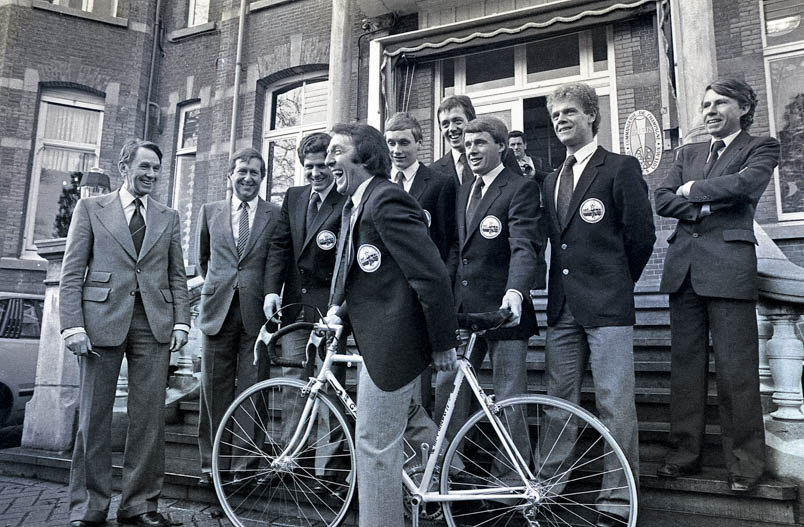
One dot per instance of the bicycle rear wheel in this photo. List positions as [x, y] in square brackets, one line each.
[575, 469]
[260, 482]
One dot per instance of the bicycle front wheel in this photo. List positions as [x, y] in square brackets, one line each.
[271, 467]
[542, 462]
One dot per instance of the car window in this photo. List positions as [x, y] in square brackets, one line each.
[5, 324]
[31, 318]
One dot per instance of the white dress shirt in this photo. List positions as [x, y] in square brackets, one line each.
[408, 175]
[252, 213]
[582, 156]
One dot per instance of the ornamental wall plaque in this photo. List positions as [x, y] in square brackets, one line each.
[642, 137]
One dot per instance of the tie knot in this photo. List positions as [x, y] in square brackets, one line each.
[569, 162]
[462, 159]
[243, 205]
[137, 203]
[718, 145]
[314, 197]
[400, 177]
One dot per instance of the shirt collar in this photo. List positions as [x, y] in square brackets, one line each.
[252, 203]
[357, 197]
[127, 197]
[410, 171]
[456, 155]
[491, 175]
[726, 140]
[324, 193]
[585, 152]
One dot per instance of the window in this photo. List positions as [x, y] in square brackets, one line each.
[784, 64]
[197, 12]
[20, 318]
[68, 138]
[186, 146]
[99, 7]
[511, 83]
[296, 109]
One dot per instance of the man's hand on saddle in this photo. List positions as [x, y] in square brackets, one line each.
[512, 300]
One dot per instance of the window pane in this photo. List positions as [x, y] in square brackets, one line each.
[183, 196]
[553, 58]
[282, 168]
[784, 21]
[198, 13]
[492, 69]
[57, 164]
[103, 7]
[287, 108]
[31, 319]
[189, 137]
[604, 133]
[315, 102]
[448, 76]
[600, 49]
[787, 87]
[70, 123]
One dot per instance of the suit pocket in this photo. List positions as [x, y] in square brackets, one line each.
[739, 235]
[207, 289]
[99, 276]
[167, 294]
[96, 294]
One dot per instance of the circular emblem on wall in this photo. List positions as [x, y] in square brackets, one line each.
[490, 227]
[326, 240]
[428, 217]
[642, 138]
[368, 258]
[592, 210]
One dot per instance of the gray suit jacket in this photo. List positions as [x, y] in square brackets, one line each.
[225, 272]
[101, 272]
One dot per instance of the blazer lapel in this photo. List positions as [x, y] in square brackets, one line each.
[420, 183]
[729, 154]
[155, 224]
[376, 180]
[114, 219]
[494, 191]
[300, 214]
[587, 177]
[261, 219]
[324, 212]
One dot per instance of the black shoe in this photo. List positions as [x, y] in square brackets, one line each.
[741, 484]
[672, 471]
[610, 520]
[205, 480]
[330, 486]
[147, 519]
[85, 523]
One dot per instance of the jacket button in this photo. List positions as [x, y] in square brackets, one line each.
[464, 283]
[139, 270]
[695, 234]
[465, 261]
[564, 246]
[565, 271]
[304, 291]
[133, 293]
[301, 271]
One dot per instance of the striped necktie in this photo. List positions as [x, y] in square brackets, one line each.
[242, 234]
[136, 226]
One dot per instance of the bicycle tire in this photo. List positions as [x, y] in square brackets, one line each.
[566, 493]
[254, 487]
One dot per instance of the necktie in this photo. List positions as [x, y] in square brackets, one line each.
[312, 210]
[400, 180]
[474, 199]
[565, 188]
[242, 234]
[137, 226]
[465, 175]
[714, 154]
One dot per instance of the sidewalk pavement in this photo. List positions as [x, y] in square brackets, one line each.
[33, 503]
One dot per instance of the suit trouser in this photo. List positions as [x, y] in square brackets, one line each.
[227, 370]
[294, 347]
[509, 377]
[381, 420]
[144, 454]
[609, 351]
[733, 325]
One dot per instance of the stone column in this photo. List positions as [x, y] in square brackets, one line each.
[50, 415]
[765, 334]
[340, 63]
[785, 355]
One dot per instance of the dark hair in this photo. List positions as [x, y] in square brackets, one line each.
[742, 93]
[370, 148]
[316, 143]
[402, 121]
[245, 155]
[581, 92]
[486, 123]
[130, 148]
[461, 102]
[516, 133]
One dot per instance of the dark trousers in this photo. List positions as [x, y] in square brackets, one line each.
[144, 455]
[733, 326]
[227, 370]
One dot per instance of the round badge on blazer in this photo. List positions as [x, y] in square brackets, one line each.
[592, 210]
[490, 227]
[368, 258]
[428, 217]
[326, 240]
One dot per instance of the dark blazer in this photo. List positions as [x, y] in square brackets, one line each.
[303, 261]
[446, 165]
[225, 272]
[395, 292]
[101, 271]
[599, 254]
[717, 250]
[499, 250]
[436, 193]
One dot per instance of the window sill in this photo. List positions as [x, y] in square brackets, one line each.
[263, 4]
[23, 264]
[188, 32]
[78, 13]
[785, 230]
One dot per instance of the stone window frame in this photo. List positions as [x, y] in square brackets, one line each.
[184, 154]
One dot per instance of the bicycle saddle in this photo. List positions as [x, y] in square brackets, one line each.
[483, 321]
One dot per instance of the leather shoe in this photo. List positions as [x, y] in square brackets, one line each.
[741, 484]
[610, 520]
[671, 470]
[85, 523]
[205, 480]
[146, 519]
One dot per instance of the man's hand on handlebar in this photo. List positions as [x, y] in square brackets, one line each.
[444, 360]
[333, 319]
[271, 306]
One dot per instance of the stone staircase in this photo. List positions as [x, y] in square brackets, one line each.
[700, 501]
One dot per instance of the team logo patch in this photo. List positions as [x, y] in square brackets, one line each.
[490, 227]
[428, 217]
[326, 240]
[368, 258]
[592, 210]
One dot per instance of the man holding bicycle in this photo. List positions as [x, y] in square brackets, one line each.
[392, 288]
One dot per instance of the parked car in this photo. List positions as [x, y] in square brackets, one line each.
[20, 325]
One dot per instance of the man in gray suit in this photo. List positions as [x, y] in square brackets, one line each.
[123, 293]
[233, 240]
